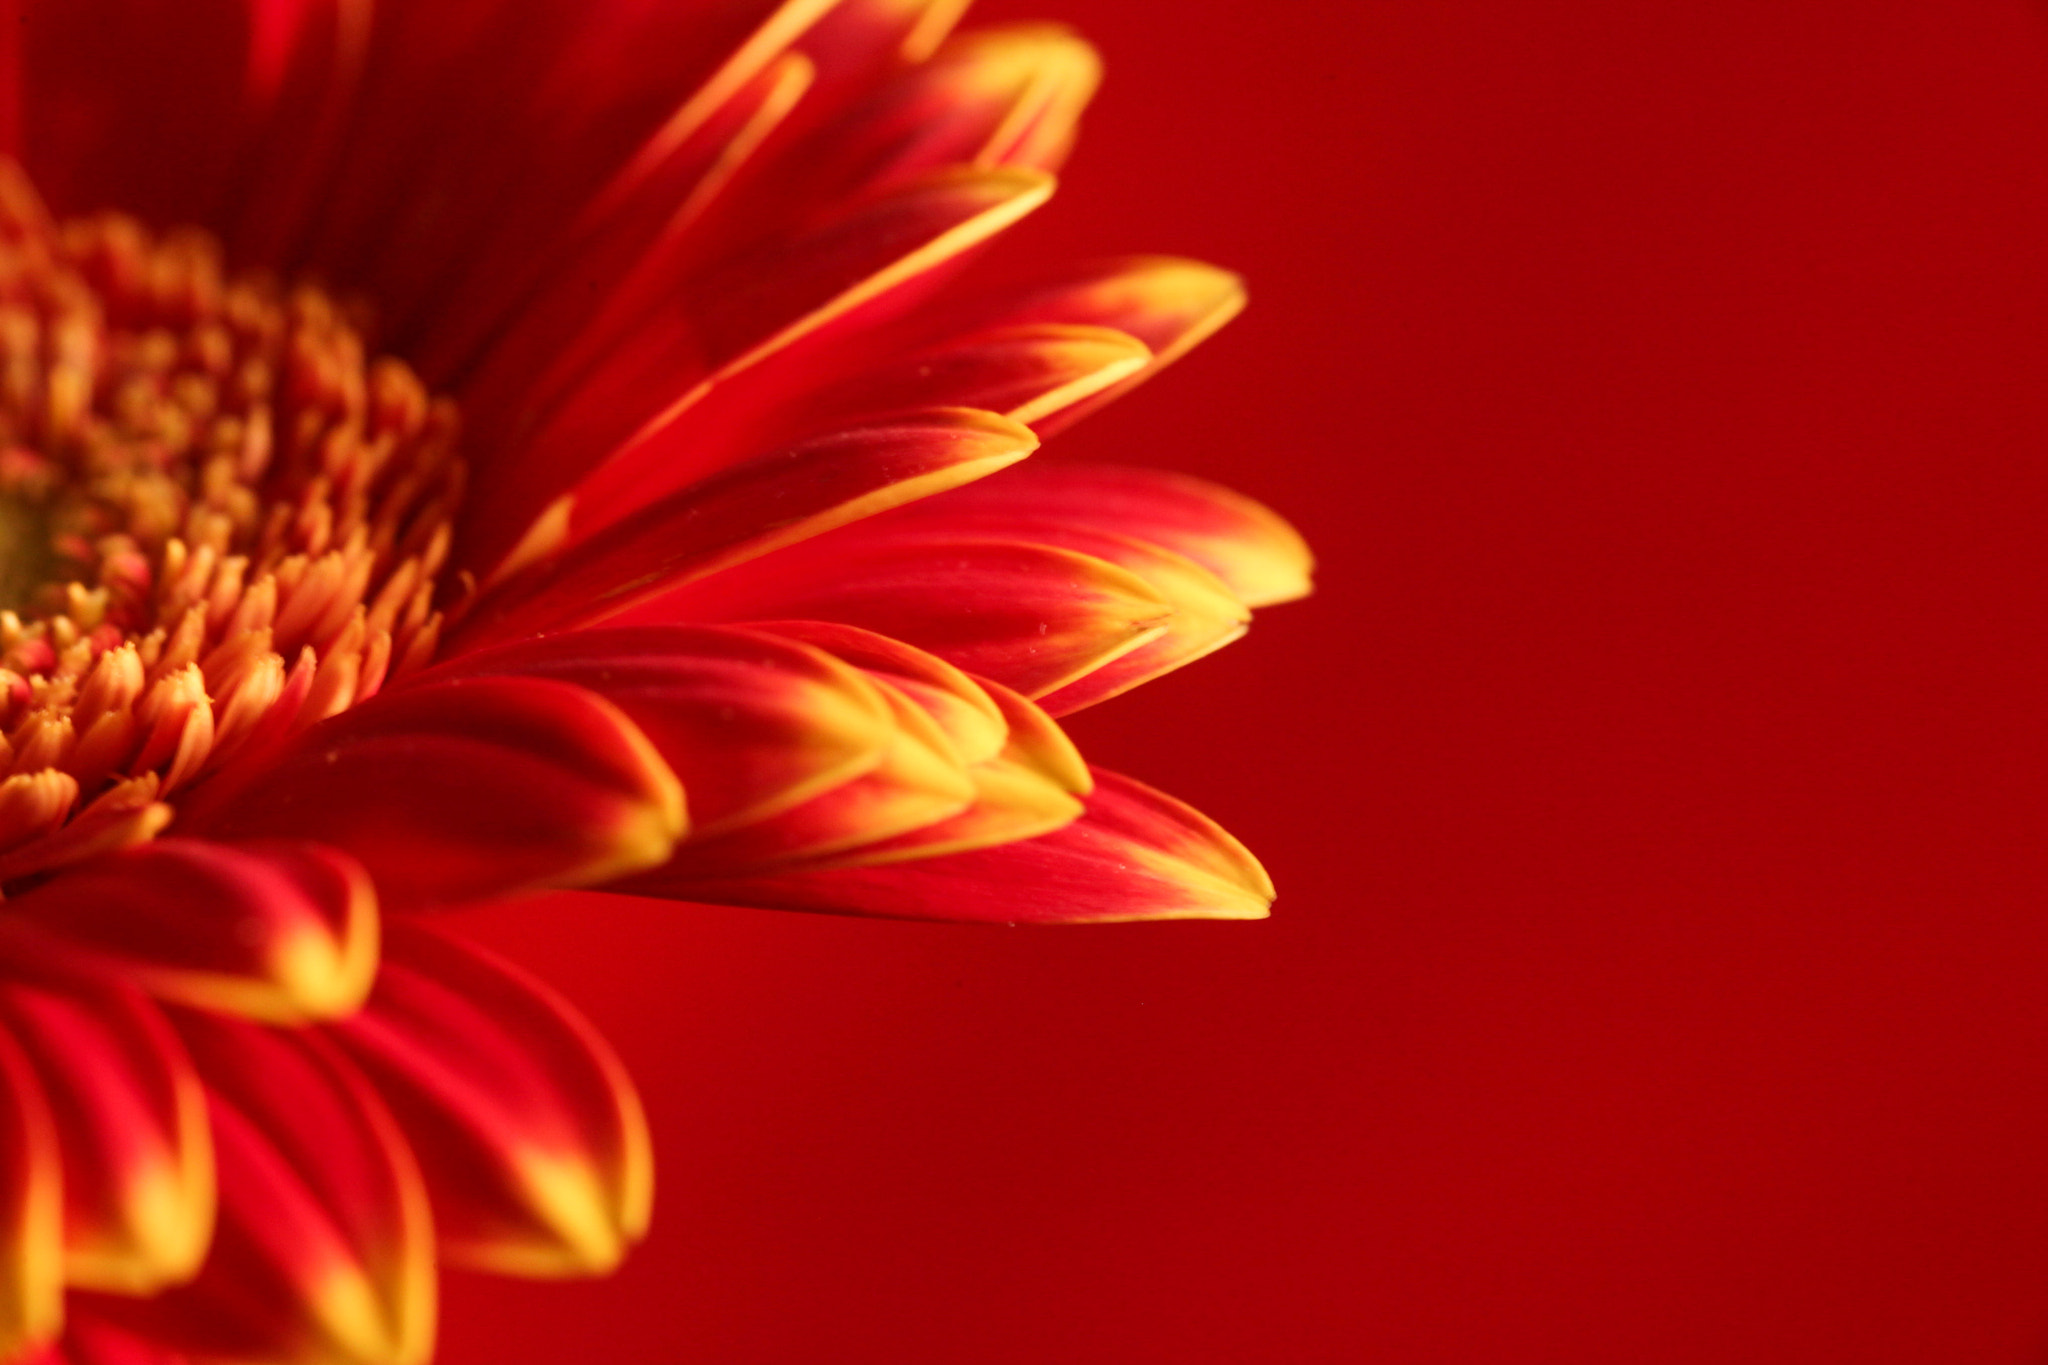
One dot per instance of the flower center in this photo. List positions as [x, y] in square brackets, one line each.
[220, 522]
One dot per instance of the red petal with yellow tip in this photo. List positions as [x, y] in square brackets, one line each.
[746, 512]
[1258, 556]
[324, 1247]
[920, 780]
[1033, 617]
[533, 1143]
[1006, 96]
[131, 1118]
[630, 378]
[31, 1208]
[285, 932]
[751, 723]
[1027, 788]
[1024, 373]
[1170, 303]
[971, 719]
[466, 788]
[1200, 615]
[1137, 854]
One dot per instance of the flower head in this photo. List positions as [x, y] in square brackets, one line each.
[455, 450]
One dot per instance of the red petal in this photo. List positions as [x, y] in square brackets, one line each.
[971, 719]
[1033, 617]
[748, 511]
[861, 39]
[324, 1247]
[465, 788]
[1169, 303]
[534, 1147]
[1006, 96]
[284, 932]
[920, 780]
[31, 1208]
[131, 1121]
[1258, 556]
[1024, 373]
[751, 724]
[1025, 790]
[517, 304]
[631, 377]
[1137, 854]
[532, 107]
[87, 1342]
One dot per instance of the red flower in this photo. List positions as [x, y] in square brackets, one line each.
[668, 560]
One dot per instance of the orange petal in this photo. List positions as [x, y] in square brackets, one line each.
[131, 1120]
[534, 1147]
[1137, 854]
[748, 511]
[31, 1208]
[281, 932]
[752, 724]
[324, 1247]
[1033, 617]
[465, 788]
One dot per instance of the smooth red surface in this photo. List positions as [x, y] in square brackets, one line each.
[1655, 788]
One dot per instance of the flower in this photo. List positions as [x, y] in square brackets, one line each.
[670, 539]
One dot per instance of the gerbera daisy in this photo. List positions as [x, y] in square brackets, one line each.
[456, 450]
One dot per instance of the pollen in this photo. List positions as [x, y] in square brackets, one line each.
[221, 521]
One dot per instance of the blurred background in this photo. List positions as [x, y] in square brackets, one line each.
[1655, 786]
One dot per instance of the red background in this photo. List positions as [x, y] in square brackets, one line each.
[1654, 787]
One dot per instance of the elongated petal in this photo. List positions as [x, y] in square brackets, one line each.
[1170, 303]
[1029, 788]
[323, 1252]
[1137, 854]
[1005, 96]
[971, 719]
[532, 1140]
[1258, 556]
[131, 1121]
[748, 511]
[628, 233]
[751, 723]
[630, 378]
[1206, 617]
[920, 780]
[466, 788]
[1033, 617]
[860, 40]
[284, 932]
[31, 1208]
[1024, 373]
